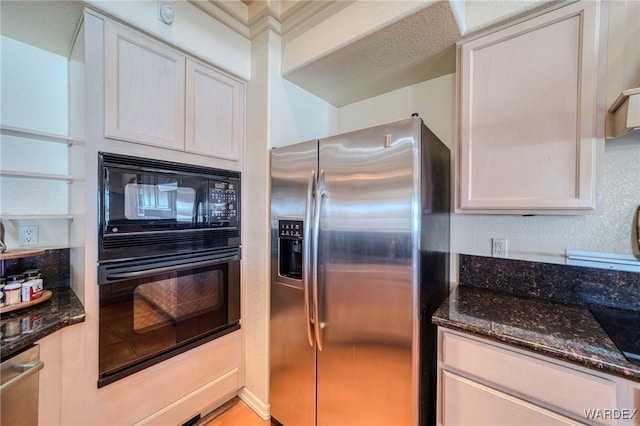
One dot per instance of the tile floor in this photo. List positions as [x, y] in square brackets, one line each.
[234, 413]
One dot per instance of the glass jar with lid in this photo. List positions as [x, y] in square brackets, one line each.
[31, 274]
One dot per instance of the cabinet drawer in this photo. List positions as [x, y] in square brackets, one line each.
[486, 406]
[569, 390]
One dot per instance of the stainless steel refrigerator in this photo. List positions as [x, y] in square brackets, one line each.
[360, 260]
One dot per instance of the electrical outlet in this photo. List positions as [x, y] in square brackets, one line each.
[29, 235]
[499, 247]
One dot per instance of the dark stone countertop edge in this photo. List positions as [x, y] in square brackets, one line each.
[63, 309]
[604, 357]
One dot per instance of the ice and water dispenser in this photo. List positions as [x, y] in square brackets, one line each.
[290, 237]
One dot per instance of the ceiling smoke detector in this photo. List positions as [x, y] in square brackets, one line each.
[165, 12]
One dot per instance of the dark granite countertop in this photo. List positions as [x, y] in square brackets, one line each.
[23, 327]
[559, 330]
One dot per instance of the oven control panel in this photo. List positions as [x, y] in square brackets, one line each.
[223, 202]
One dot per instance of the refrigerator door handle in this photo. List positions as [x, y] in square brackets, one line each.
[320, 194]
[306, 250]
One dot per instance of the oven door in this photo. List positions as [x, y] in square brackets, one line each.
[152, 309]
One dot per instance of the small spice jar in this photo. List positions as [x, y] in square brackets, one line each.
[31, 290]
[31, 274]
[12, 293]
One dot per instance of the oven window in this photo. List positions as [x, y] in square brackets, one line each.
[143, 319]
[166, 302]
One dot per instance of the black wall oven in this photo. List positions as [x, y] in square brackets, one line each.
[169, 260]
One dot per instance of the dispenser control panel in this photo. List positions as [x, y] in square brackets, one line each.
[290, 248]
[290, 229]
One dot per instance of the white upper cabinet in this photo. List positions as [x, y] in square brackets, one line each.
[530, 115]
[214, 112]
[156, 95]
[144, 89]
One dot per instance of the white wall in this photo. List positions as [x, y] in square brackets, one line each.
[279, 113]
[432, 100]
[299, 116]
[34, 97]
[537, 238]
[34, 88]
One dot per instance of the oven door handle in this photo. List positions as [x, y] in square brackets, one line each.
[145, 272]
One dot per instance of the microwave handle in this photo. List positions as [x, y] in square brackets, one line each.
[171, 268]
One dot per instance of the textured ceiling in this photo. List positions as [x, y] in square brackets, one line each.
[414, 49]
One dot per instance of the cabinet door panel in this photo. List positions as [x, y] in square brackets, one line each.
[214, 112]
[144, 83]
[529, 108]
[473, 404]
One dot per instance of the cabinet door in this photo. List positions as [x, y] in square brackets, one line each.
[531, 115]
[470, 403]
[144, 89]
[214, 112]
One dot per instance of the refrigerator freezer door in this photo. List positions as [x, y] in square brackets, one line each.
[292, 399]
[292, 351]
[367, 257]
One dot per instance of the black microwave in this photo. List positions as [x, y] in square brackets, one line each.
[150, 207]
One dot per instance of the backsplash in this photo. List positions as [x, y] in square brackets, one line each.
[53, 265]
[561, 283]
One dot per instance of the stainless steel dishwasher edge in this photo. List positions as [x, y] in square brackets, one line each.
[19, 388]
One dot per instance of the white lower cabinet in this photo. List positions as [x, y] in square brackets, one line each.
[479, 405]
[481, 382]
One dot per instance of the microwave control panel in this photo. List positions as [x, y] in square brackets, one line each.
[223, 202]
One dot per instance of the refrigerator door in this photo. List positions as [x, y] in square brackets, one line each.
[367, 259]
[292, 350]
